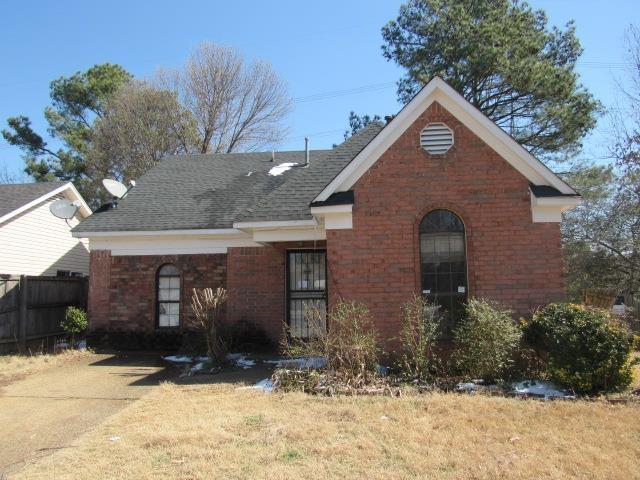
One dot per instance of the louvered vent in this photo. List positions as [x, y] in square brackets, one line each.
[436, 138]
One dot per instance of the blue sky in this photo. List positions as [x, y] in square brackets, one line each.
[328, 52]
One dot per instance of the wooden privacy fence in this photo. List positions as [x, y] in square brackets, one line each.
[31, 308]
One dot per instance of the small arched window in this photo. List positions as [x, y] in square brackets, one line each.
[444, 262]
[168, 296]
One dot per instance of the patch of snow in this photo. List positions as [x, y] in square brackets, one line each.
[249, 174]
[178, 359]
[265, 385]
[197, 367]
[540, 388]
[302, 363]
[280, 169]
[469, 387]
[240, 360]
[184, 359]
[244, 363]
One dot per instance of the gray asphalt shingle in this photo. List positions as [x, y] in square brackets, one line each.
[14, 196]
[213, 191]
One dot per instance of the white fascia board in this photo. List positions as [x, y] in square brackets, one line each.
[438, 90]
[122, 246]
[275, 224]
[84, 210]
[72, 191]
[549, 209]
[289, 235]
[565, 202]
[334, 217]
[164, 233]
[331, 209]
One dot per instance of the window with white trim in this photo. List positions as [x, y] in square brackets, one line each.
[168, 296]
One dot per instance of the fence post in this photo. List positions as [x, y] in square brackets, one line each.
[22, 305]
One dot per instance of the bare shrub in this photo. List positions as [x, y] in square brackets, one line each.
[419, 335]
[349, 344]
[207, 307]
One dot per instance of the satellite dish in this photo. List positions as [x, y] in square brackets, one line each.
[115, 188]
[63, 208]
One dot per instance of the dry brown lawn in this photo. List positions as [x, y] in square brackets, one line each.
[15, 367]
[222, 431]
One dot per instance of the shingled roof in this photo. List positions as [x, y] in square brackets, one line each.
[14, 196]
[188, 192]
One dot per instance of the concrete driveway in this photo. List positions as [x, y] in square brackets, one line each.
[48, 410]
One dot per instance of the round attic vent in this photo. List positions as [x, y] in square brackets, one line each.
[436, 138]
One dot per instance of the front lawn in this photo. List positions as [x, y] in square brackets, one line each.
[229, 431]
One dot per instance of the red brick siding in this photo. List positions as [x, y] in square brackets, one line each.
[256, 283]
[99, 280]
[122, 293]
[510, 258]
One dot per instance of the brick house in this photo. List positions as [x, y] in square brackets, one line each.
[439, 201]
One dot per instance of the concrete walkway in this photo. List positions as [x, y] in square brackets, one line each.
[48, 410]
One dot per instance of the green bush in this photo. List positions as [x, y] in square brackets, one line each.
[419, 337]
[584, 348]
[486, 341]
[75, 321]
[349, 343]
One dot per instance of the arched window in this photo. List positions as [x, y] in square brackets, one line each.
[444, 262]
[168, 296]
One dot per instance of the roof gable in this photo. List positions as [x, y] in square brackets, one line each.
[17, 198]
[437, 90]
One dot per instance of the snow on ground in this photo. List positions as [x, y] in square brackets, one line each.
[240, 360]
[197, 367]
[540, 388]
[265, 384]
[280, 169]
[301, 363]
[184, 359]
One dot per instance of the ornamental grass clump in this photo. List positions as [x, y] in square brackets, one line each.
[419, 339]
[349, 344]
[207, 304]
[486, 341]
[586, 349]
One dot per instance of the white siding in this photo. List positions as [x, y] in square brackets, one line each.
[37, 243]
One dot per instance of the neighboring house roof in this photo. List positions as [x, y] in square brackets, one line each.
[188, 192]
[18, 197]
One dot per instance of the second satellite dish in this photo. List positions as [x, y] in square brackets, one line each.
[115, 188]
[64, 208]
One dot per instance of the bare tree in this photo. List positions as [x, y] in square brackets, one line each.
[139, 126]
[236, 105]
[602, 236]
[9, 177]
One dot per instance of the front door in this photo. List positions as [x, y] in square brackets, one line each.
[306, 292]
